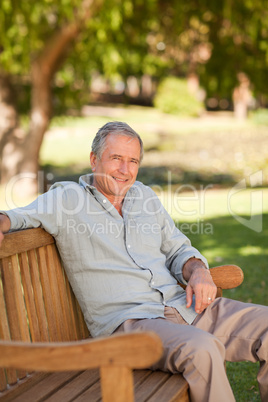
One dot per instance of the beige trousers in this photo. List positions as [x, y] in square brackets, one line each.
[226, 330]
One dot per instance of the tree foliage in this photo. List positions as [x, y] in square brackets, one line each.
[46, 44]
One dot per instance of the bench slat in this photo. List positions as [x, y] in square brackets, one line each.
[29, 297]
[150, 385]
[24, 240]
[38, 297]
[48, 300]
[76, 387]
[92, 394]
[44, 388]
[61, 324]
[14, 306]
[174, 389]
[68, 324]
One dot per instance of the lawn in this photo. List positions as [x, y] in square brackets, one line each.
[211, 175]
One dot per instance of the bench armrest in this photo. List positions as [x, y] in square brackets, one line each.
[134, 350]
[227, 276]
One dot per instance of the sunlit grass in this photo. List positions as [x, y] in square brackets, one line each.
[204, 202]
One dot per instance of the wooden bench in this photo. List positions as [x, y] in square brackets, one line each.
[45, 353]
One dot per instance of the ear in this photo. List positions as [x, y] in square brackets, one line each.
[93, 159]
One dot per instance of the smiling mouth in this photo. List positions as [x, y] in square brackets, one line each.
[119, 180]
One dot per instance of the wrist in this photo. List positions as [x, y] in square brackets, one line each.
[193, 265]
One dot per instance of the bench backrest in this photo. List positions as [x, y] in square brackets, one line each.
[36, 301]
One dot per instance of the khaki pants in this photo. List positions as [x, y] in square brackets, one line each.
[226, 330]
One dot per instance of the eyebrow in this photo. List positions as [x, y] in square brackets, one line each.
[120, 156]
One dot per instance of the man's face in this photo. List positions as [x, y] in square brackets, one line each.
[117, 169]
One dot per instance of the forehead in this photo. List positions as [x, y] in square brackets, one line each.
[122, 144]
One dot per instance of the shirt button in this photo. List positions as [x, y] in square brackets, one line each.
[104, 201]
[153, 282]
[128, 246]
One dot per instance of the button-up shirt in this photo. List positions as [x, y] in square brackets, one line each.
[120, 267]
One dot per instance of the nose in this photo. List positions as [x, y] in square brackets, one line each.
[123, 168]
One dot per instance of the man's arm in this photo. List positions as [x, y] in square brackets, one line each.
[200, 284]
[4, 226]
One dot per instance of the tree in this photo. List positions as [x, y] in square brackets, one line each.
[38, 39]
[216, 41]
[45, 43]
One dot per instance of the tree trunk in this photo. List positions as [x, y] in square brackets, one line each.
[44, 68]
[11, 136]
[241, 97]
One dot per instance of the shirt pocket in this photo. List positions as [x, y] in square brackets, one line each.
[145, 230]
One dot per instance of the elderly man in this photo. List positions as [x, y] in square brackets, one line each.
[123, 256]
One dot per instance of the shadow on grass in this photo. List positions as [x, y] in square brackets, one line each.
[164, 175]
[153, 175]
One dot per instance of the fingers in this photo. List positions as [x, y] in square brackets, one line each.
[189, 296]
[204, 297]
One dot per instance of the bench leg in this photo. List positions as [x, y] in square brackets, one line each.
[116, 384]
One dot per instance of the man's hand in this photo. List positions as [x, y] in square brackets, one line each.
[4, 226]
[200, 284]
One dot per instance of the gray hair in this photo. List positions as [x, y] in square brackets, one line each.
[113, 128]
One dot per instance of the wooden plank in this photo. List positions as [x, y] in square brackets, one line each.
[92, 394]
[75, 311]
[3, 380]
[59, 314]
[24, 240]
[29, 298]
[20, 306]
[11, 309]
[44, 388]
[19, 299]
[116, 384]
[140, 376]
[38, 296]
[173, 390]
[48, 300]
[82, 325]
[76, 387]
[22, 386]
[151, 384]
[8, 376]
[69, 330]
[72, 315]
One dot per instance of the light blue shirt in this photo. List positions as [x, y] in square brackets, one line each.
[120, 267]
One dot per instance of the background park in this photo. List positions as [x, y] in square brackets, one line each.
[190, 77]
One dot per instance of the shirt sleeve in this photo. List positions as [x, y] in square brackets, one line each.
[177, 247]
[42, 212]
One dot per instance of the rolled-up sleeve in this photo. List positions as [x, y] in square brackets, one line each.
[177, 248]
